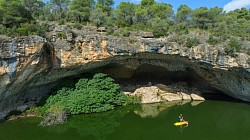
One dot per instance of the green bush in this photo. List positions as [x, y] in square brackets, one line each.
[159, 27]
[110, 31]
[78, 26]
[98, 94]
[38, 111]
[25, 29]
[115, 34]
[125, 33]
[22, 31]
[180, 28]
[193, 41]
[134, 100]
[61, 35]
[213, 40]
[233, 46]
[61, 21]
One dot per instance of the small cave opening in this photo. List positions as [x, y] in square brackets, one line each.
[147, 75]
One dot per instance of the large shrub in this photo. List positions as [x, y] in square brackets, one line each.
[233, 47]
[213, 40]
[97, 94]
[89, 95]
[192, 41]
[159, 27]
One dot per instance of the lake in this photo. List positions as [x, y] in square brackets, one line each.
[209, 120]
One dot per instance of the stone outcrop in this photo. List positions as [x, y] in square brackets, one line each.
[31, 66]
[197, 97]
[161, 93]
[185, 96]
[148, 94]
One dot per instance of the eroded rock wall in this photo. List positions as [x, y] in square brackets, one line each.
[30, 65]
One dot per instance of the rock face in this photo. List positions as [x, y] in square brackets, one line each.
[30, 66]
[161, 93]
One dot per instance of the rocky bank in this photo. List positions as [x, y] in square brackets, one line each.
[161, 93]
[30, 66]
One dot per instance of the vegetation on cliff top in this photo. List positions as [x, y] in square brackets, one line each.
[19, 17]
[148, 15]
[97, 94]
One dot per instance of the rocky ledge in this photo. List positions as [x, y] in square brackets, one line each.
[30, 66]
[161, 93]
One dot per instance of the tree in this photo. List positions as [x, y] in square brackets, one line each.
[105, 6]
[206, 18]
[58, 8]
[60, 4]
[200, 17]
[98, 17]
[141, 16]
[150, 10]
[233, 47]
[34, 6]
[125, 14]
[243, 13]
[80, 10]
[183, 14]
[13, 13]
[161, 10]
[147, 2]
[192, 41]
[159, 27]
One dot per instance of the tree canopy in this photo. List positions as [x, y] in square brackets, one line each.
[149, 15]
[13, 13]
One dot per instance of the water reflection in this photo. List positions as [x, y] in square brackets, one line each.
[195, 103]
[153, 110]
[97, 125]
[181, 128]
[208, 120]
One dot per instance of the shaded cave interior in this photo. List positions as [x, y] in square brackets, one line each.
[147, 75]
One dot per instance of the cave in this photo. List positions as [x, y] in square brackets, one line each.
[149, 74]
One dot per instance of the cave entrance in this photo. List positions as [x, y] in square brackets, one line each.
[147, 75]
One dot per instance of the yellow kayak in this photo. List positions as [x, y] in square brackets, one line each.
[181, 123]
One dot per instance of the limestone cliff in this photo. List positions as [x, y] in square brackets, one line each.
[30, 66]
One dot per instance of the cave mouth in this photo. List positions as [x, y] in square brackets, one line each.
[147, 74]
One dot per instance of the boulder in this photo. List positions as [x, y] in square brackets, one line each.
[127, 93]
[196, 97]
[164, 88]
[185, 96]
[148, 94]
[171, 97]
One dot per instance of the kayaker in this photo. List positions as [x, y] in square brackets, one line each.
[181, 118]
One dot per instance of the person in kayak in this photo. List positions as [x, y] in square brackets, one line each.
[181, 118]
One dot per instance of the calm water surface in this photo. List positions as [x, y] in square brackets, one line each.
[210, 120]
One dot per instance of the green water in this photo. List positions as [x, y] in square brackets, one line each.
[210, 120]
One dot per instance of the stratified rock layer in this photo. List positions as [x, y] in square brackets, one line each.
[31, 66]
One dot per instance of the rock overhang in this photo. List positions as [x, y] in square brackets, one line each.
[39, 63]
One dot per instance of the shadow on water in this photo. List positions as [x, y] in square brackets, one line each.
[219, 96]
